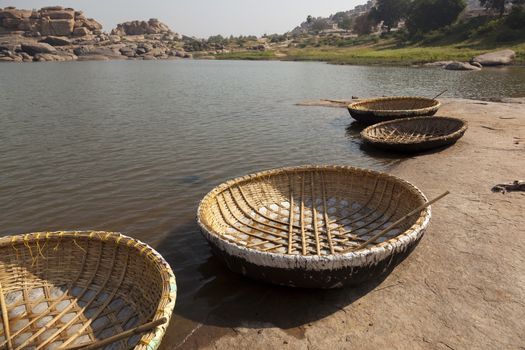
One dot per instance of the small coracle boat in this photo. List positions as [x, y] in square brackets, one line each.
[314, 226]
[415, 134]
[83, 290]
[377, 110]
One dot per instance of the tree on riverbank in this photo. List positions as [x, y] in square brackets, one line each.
[390, 12]
[500, 5]
[364, 24]
[343, 20]
[427, 15]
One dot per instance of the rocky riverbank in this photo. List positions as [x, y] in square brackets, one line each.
[65, 34]
[490, 59]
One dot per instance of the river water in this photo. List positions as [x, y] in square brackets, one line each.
[133, 146]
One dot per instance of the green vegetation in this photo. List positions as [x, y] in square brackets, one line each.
[434, 34]
[334, 40]
[482, 32]
[364, 24]
[343, 20]
[320, 24]
[499, 5]
[377, 54]
[391, 12]
[248, 55]
[427, 15]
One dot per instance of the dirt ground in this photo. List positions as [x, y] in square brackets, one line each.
[462, 288]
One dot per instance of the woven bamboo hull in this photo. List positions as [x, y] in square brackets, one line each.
[377, 110]
[411, 147]
[325, 279]
[370, 118]
[311, 226]
[415, 134]
[67, 289]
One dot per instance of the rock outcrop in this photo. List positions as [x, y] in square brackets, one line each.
[153, 26]
[33, 49]
[53, 20]
[461, 66]
[108, 51]
[440, 64]
[63, 34]
[56, 41]
[497, 58]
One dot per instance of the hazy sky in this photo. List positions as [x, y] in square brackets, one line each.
[202, 18]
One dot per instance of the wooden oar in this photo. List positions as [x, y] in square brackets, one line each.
[441, 93]
[104, 342]
[386, 230]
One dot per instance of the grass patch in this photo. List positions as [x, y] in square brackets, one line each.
[247, 55]
[458, 42]
[381, 55]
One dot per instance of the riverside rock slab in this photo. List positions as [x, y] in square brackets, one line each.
[37, 48]
[497, 58]
[56, 41]
[437, 64]
[90, 51]
[460, 66]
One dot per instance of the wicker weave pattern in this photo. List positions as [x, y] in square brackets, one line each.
[68, 288]
[420, 133]
[378, 110]
[309, 211]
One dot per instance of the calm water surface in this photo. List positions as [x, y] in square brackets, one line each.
[133, 146]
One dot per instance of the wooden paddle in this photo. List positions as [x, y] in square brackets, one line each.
[441, 93]
[386, 230]
[115, 338]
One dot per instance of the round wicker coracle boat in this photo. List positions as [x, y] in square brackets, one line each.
[377, 110]
[83, 290]
[311, 226]
[415, 134]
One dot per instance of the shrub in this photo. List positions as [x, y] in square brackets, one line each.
[516, 19]
[427, 15]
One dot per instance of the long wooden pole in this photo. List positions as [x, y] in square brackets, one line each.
[433, 98]
[441, 93]
[386, 230]
[104, 342]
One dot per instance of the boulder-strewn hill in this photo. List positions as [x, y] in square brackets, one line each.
[64, 34]
[336, 21]
[153, 26]
[54, 20]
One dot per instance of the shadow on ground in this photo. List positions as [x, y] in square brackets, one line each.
[212, 295]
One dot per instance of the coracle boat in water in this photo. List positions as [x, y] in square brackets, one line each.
[83, 290]
[314, 226]
[377, 110]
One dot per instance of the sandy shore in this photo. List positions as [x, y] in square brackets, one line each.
[462, 288]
